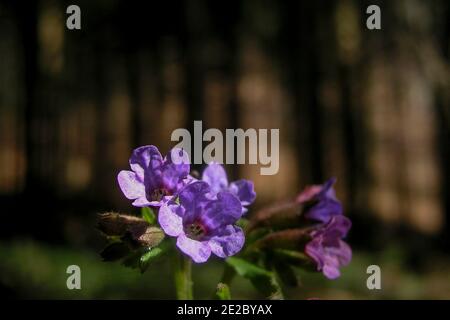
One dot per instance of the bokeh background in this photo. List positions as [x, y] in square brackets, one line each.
[369, 107]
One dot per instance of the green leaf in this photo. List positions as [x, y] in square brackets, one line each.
[262, 279]
[148, 215]
[149, 256]
[141, 258]
[246, 269]
[223, 292]
[115, 251]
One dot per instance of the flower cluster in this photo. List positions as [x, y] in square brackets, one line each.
[326, 247]
[201, 214]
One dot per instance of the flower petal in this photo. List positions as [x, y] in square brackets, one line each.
[228, 242]
[131, 186]
[318, 191]
[215, 175]
[344, 254]
[227, 209]
[197, 250]
[146, 160]
[244, 190]
[175, 169]
[169, 220]
[331, 271]
[193, 199]
[143, 202]
[325, 205]
[336, 257]
[315, 250]
[337, 227]
[324, 210]
[327, 249]
[179, 157]
[327, 188]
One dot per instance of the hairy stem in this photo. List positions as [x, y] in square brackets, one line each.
[183, 277]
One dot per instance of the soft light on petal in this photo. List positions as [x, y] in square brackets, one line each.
[331, 271]
[228, 242]
[143, 202]
[197, 250]
[215, 175]
[131, 186]
[169, 220]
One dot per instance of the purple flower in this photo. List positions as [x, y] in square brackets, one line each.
[324, 204]
[154, 180]
[327, 249]
[203, 225]
[216, 177]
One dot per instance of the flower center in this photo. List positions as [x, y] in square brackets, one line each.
[195, 231]
[158, 194]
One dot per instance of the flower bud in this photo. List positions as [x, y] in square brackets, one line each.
[150, 237]
[286, 239]
[115, 224]
[286, 214]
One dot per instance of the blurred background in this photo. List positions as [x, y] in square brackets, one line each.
[369, 107]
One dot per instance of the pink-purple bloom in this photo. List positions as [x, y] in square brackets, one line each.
[154, 179]
[216, 177]
[323, 202]
[327, 249]
[203, 225]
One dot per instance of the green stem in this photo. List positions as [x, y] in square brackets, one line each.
[183, 277]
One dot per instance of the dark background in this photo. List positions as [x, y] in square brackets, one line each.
[370, 107]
